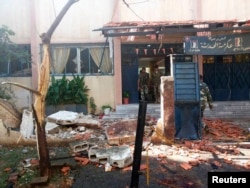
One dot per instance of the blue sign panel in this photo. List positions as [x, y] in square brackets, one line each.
[217, 45]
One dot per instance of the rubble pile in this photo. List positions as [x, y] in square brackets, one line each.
[110, 143]
[218, 129]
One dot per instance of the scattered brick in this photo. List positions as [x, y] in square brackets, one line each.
[34, 161]
[121, 132]
[65, 170]
[127, 168]
[82, 160]
[227, 160]
[217, 163]
[247, 165]
[186, 166]
[194, 163]
[223, 130]
[143, 166]
[7, 169]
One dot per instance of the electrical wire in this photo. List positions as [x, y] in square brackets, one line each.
[140, 2]
[124, 1]
[53, 2]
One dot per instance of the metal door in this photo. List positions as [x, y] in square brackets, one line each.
[129, 78]
[228, 81]
[187, 100]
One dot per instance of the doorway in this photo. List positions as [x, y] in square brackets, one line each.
[130, 71]
[136, 56]
[149, 63]
[228, 76]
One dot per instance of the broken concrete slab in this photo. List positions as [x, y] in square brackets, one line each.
[63, 117]
[52, 128]
[88, 122]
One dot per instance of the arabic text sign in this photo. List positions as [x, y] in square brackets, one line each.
[217, 45]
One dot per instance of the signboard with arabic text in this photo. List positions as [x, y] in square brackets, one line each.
[217, 45]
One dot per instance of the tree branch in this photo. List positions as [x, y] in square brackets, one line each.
[47, 36]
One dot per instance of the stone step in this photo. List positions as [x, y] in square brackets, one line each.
[130, 111]
[231, 109]
[222, 109]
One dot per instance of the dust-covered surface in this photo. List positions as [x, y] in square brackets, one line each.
[224, 147]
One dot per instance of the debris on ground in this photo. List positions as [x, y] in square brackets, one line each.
[109, 144]
[218, 129]
[121, 132]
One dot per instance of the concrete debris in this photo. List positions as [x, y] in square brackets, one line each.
[88, 122]
[27, 125]
[108, 141]
[117, 156]
[108, 167]
[78, 146]
[121, 132]
[52, 128]
[63, 117]
[81, 129]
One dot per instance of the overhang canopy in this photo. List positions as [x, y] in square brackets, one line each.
[117, 29]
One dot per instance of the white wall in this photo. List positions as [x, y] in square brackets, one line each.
[76, 27]
[16, 15]
[183, 10]
[102, 90]
[86, 15]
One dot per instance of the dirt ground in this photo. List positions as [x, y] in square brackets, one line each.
[183, 164]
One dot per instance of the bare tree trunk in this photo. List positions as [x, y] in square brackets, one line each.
[42, 147]
[40, 94]
[39, 102]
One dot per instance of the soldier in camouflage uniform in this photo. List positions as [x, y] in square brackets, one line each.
[143, 83]
[205, 98]
[156, 82]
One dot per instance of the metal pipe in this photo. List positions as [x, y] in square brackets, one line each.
[138, 144]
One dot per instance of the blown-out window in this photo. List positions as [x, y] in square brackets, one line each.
[81, 60]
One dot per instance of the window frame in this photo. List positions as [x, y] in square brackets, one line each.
[77, 60]
[18, 65]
